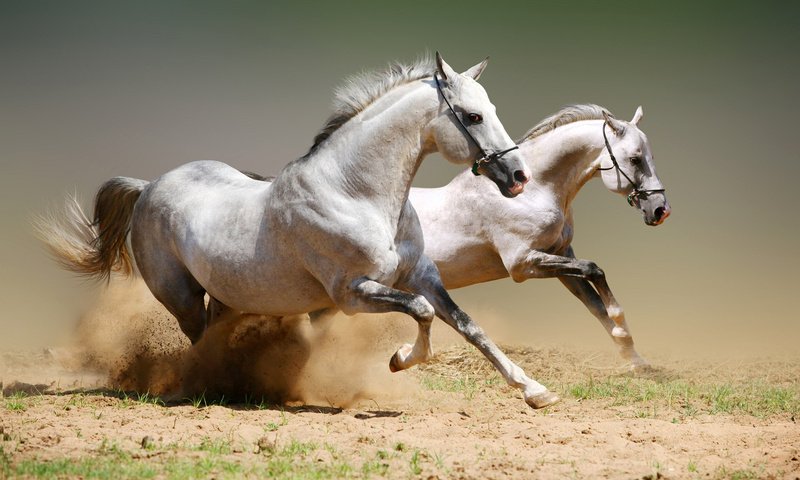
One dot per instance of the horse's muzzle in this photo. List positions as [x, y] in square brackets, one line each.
[659, 215]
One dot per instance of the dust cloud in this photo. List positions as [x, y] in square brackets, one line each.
[129, 337]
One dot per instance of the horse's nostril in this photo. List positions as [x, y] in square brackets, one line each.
[659, 212]
[520, 176]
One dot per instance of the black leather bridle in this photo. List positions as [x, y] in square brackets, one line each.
[485, 158]
[637, 193]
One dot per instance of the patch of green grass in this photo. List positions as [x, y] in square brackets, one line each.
[295, 447]
[624, 390]
[211, 459]
[17, 402]
[722, 399]
[5, 463]
[466, 385]
[749, 474]
[413, 464]
[757, 399]
[135, 398]
[148, 399]
[107, 465]
[752, 398]
[77, 400]
[198, 401]
[272, 426]
[291, 461]
[124, 467]
[251, 403]
[214, 446]
[372, 468]
[592, 389]
[205, 467]
[110, 447]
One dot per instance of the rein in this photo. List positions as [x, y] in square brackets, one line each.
[485, 158]
[637, 193]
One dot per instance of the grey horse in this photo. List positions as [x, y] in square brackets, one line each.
[333, 231]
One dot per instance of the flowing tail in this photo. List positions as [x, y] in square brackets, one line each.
[94, 248]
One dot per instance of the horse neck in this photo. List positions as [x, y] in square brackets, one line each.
[564, 159]
[375, 155]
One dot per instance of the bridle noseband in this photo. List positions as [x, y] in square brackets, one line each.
[637, 193]
[485, 158]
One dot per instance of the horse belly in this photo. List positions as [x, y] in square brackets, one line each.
[468, 265]
[245, 268]
[270, 292]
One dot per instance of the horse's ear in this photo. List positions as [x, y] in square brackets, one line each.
[475, 72]
[615, 125]
[637, 116]
[444, 70]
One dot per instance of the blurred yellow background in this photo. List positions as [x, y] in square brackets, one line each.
[91, 90]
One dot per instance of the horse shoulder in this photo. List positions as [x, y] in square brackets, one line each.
[535, 221]
[340, 239]
[536, 224]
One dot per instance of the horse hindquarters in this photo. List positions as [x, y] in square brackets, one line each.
[163, 271]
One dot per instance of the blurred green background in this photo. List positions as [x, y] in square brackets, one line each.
[90, 90]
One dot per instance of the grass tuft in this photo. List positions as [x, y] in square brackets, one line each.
[17, 402]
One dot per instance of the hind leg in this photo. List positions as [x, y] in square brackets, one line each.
[178, 291]
[591, 299]
[187, 303]
[163, 271]
[216, 310]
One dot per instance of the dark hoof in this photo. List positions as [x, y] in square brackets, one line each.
[544, 399]
[394, 365]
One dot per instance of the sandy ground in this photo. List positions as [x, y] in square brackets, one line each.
[451, 419]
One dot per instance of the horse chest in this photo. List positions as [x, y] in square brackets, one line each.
[539, 223]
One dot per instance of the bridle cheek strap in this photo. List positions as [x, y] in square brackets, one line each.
[489, 158]
[485, 158]
[637, 193]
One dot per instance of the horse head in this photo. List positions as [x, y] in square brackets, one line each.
[467, 130]
[627, 168]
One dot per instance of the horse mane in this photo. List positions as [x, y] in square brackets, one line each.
[567, 115]
[361, 90]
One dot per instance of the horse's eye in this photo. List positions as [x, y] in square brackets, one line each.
[635, 161]
[475, 118]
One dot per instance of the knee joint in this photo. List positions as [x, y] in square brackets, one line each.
[593, 272]
[421, 309]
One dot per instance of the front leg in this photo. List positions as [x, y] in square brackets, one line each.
[369, 296]
[426, 280]
[536, 264]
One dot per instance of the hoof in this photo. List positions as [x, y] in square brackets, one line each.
[393, 364]
[398, 360]
[645, 371]
[641, 368]
[544, 399]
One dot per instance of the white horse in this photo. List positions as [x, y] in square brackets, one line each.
[474, 235]
[333, 231]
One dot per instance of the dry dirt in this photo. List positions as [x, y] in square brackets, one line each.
[331, 401]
